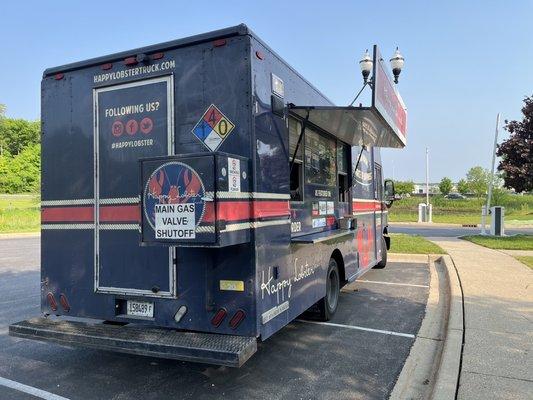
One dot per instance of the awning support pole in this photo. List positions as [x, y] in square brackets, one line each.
[299, 140]
[357, 95]
[363, 147]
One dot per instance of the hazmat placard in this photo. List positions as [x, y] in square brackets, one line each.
[175, 221]
[213, 128]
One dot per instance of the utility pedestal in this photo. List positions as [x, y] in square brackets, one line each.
[497, 221]
[484, 214]
[425, 212]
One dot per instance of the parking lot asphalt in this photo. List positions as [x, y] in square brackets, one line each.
[359, 354]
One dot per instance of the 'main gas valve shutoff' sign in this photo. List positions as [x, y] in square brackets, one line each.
[175, 221]
[174, 199]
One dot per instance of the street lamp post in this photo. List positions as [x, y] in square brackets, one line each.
[485, 213]
[428, 206]
[366, 64]
[397, 61]
[491, 182]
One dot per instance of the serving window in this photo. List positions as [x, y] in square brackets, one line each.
[296, 178]
[342, 171]
[320, 157]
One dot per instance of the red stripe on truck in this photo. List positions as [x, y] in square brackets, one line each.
[67, 214]
[245, 210]
[120, 213]
[226, 210]
[366, 206]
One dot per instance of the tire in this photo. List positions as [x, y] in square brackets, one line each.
[383, 263]
[327, 306]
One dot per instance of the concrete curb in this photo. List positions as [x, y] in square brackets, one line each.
[432, 369]
[417, 376]
[447, 378]
[401, 257]
[19, 235]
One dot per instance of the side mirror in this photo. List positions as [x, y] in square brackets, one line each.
[389, 192]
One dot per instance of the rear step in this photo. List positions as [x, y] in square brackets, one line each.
[207, 348]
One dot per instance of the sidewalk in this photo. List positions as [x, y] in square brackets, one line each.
[19, 235]
[518, 252]
[498, 301]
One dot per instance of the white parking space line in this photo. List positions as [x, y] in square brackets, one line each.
[392, 283]
[359, 328]
[30, 390]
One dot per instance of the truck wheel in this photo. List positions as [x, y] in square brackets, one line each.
[328, 305]
[383, 262]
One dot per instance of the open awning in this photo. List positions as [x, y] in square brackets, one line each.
[383, 124]
[353, 125]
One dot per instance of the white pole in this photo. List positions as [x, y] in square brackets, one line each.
[489, 196]
[491, 178]
[428, 209]
[427, 176]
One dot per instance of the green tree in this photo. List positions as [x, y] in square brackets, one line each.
[406, 187]
[5, 161]
[21, 173]
[517, 152]
[478, 180]
[445, 185]
[462, 187]
[16, 134]
[27, 166]
[2, 115]
[499, 196]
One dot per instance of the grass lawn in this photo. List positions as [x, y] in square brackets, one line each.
[527, 260]
[517, 242]
[19, 213]
[518, 209]
[454, 218]
[413, 244]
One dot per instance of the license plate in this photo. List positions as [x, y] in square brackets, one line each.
[140, 308]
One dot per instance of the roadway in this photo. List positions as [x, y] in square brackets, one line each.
[442, 230]
[359, 355]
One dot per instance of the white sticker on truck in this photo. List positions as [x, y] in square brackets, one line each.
[274, 312]
[234, 175]
[175, 221]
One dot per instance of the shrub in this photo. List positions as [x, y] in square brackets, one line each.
[21, 173]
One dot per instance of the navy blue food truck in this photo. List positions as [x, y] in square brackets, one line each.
[200, 194]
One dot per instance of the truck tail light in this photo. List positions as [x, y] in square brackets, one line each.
[106, 66]
[237, 318]
[157, 56]
[51, 301]
[219, 317]
[130, 61]
[219, 42]
[59, 76]
[64, 302]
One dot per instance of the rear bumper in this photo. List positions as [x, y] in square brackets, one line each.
[207, 348]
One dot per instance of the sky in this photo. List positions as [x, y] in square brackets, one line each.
[465, 61]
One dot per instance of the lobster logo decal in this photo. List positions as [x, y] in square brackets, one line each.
[363, 174]
[174, 183]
